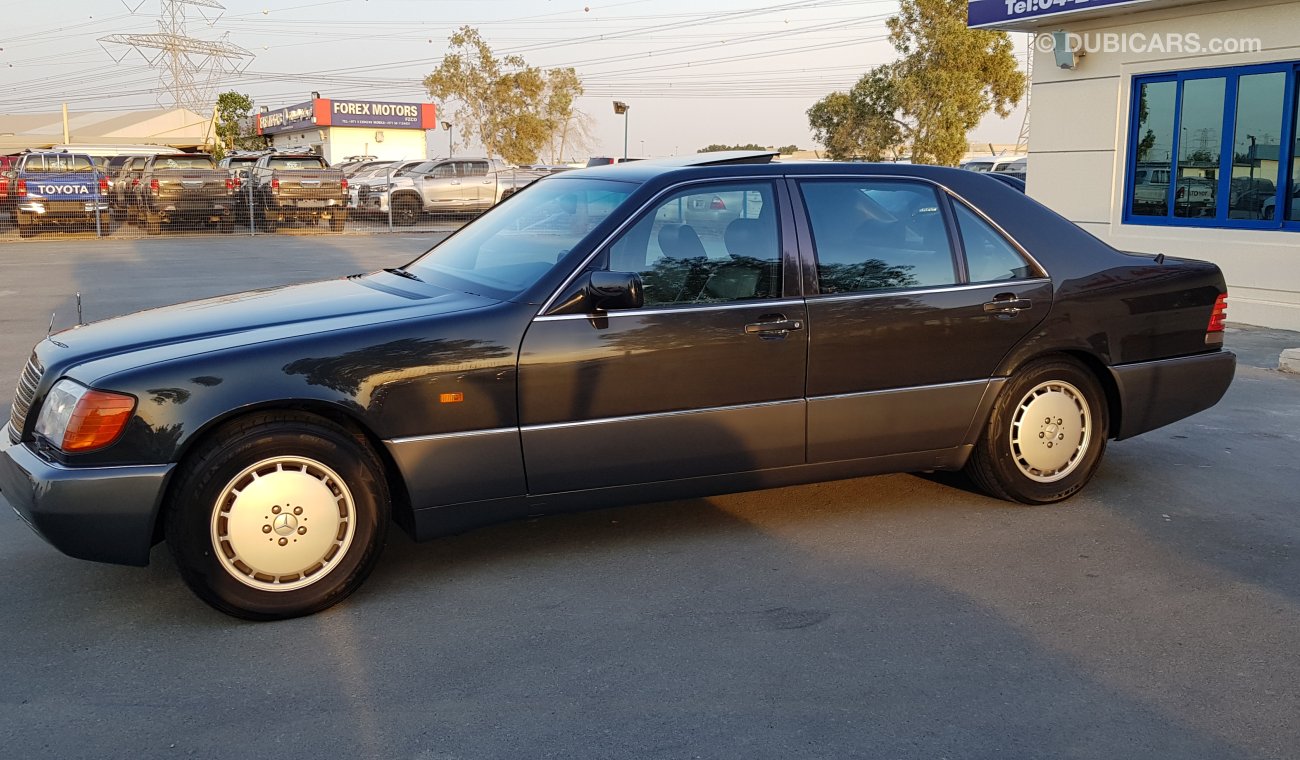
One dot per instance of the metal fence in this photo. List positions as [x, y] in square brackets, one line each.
[228, 206]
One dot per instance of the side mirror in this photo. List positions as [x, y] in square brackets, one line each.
[601, 291]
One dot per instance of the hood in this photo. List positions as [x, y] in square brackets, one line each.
[257, 315]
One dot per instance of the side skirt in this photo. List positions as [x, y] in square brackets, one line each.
[458, 518]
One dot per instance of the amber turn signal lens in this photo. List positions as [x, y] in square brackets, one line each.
[450, 398]
[97, 421]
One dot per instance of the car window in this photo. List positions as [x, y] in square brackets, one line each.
[706, 244]
[508, 249]
[989, 256]
[444, 171]
[302, 162]
[183, 162]
[877, 234]
[472, 168]
[59, 162]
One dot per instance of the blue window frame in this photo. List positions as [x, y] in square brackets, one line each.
[1215, 148]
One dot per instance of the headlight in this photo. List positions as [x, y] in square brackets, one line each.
[77, 419]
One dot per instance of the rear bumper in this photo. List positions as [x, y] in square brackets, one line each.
[105, 514]
[1154, 394]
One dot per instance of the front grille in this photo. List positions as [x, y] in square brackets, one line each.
[27, 383]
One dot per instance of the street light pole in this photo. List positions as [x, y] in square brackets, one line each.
[622, 108]
[451, 132]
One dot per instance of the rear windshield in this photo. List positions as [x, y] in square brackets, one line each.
[58, 162]
[182, 162]
[297, 162]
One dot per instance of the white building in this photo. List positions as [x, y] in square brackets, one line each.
[337, 129]
[1131, 94]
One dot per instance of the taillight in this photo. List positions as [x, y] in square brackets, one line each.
[717, 204]
[103, 185]
[275, 186]
[1219, 316]
[22, 188]
[344, 183]
[4, 185]
[231, 184]
[153, 186]
[135, 182]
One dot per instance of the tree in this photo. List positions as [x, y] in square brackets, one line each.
[788, 149]
[718, 146]
[564, 121]
[948, 77]
[233, 125]
[501, 101]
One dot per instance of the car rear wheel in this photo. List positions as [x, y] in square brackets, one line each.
[1046, 435]
[277, 516]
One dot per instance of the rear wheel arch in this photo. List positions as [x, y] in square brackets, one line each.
[1089, 361]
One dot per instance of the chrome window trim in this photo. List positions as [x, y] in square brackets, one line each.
[635, 216]
[903, 389]
[695, 308]
[883, 292]
[658, 415]
[949, 192]
[458, 434]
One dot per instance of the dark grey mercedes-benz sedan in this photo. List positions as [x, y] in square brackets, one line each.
[627, 333]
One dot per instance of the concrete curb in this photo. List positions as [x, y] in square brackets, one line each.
[1289, 361]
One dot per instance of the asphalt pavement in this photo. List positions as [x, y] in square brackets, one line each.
[1155, 615]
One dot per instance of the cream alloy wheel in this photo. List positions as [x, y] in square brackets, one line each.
[283, 523]
[1050, 431]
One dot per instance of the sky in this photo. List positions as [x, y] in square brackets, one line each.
[694, 73]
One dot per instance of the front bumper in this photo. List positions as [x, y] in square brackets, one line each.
[105, 514]
[1154, 394]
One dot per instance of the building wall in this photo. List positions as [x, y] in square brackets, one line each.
[392, 144]
[334, 143]
[1079, 147]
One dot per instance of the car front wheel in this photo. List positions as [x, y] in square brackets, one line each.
[277, 516]
[1046, 435]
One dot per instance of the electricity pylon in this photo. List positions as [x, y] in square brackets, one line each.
[190, 66]
[1022, 142]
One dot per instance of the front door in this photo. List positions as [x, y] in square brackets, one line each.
[706, 379]
[906, 330]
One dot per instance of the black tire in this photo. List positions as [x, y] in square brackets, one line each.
[321, 467]
[269, 222]
[153, 225]
[337, 223]
[26, 228]
[1041, 461]
[406, 210]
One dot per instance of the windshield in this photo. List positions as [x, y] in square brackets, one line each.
[979, 166]
[376, 171]
[509, 249]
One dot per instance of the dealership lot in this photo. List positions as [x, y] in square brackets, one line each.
[1155, 615]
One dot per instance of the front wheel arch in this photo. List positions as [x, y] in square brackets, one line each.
[402, 511]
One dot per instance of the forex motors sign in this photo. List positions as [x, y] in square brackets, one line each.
[323, 112]
[997, 13]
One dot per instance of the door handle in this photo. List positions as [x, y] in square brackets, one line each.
[776, 326]
[1007, 304]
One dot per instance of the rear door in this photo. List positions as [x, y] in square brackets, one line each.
[478, 182]
[706, 379]
[905, 329]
